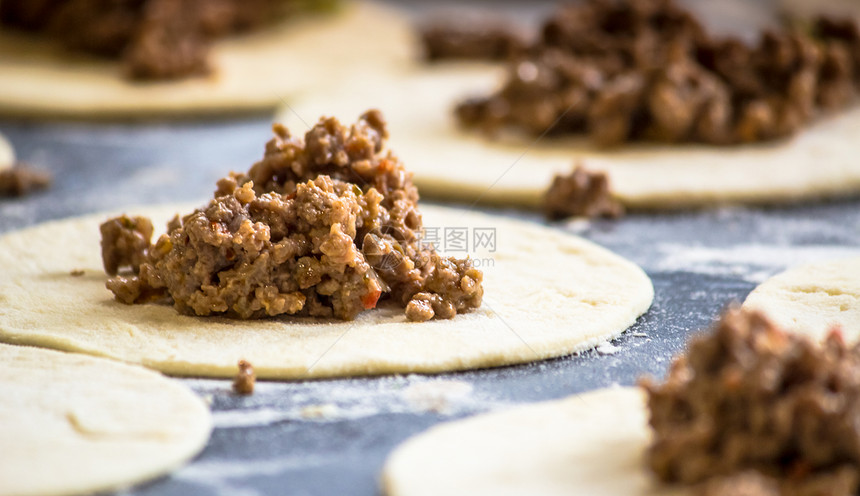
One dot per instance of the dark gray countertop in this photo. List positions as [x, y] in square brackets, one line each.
[267, 444]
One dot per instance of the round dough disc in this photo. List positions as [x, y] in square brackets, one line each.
[7, 154]
[546, 294]
[586, 445]
[73, 424]
[813, 298]
[453, 163]
[256, 71]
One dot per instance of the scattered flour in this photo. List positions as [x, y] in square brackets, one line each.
[332, 401]
[608, 348]
[752, 262]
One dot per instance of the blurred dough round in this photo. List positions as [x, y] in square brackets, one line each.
[585, 445]
[256, 71]
[547, 294]
[74, 424]
[813, 298]
[457, 164]
[7, 154]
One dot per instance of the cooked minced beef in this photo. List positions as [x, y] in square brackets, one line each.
[582, 193]
[154, 39]
[753, 410]
[629, 70]
[324, 227]
[21, 180]
[471, 38]
[125, 243]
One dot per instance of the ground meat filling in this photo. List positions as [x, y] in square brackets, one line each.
[22, 180]
[323, 227]
[753, 410]
[582, 193]
[471, 39]
[125, 243]
[153, 39]
[646, 70]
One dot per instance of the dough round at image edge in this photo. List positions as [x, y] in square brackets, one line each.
[74, 424]
[457, 164]
[251, 72]
[813, 298]
[591, 444]
[546, 294]
[7, 153]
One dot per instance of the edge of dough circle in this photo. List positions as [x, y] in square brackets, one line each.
[74, 424]
[591, 444]
[546, 294]
[7, 153]
[813, 298]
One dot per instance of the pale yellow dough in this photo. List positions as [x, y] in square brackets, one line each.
[453, 163]
[546, 294]
[813, 298]
[7, 154]
[73, 424]
[257, 71]
[586, 445]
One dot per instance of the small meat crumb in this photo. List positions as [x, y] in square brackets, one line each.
[245, 379]
[76, 273]
[125, 243]
[582, 193]
[22, 180]
[419, 309]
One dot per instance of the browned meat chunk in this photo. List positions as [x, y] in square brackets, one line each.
[125, 243]
[324, 226]
[582, 193]
[22, 180]
[754, 410]
[646, 70]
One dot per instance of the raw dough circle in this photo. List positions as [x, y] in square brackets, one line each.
[586, 445]
[453, 163]
[547, 294]
[73, 424]
[7, 154]
[257, 71]
[813, 298]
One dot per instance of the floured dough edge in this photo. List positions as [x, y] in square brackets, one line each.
[94, 424]
[813, 298]
[591, 444]
[463, 165]
[252, 72]
[7, 153]
[566, 296]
